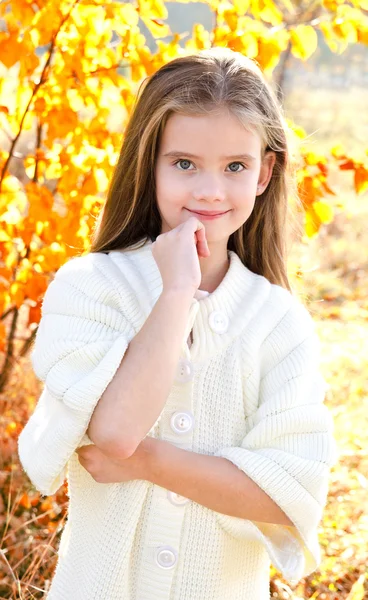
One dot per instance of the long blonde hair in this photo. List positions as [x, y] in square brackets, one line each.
[196, 84]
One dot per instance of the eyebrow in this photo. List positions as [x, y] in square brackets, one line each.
[177, 153]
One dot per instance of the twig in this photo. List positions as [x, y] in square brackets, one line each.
[38, 147]
[7, 312]
[4, 375]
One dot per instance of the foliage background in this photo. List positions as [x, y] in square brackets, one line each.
[67, 85]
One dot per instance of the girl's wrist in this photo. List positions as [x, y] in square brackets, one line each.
[150, 448]
[178, 293]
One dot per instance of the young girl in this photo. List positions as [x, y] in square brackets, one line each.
[183, 397]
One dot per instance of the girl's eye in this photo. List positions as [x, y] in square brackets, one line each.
[183, 160]
[237, 170]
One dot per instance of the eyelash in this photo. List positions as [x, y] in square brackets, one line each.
[232, 163]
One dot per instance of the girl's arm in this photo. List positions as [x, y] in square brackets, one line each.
[136, 395]
[212, 481]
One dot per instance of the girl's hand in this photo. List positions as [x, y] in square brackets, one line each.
[176, 253]
[105, 469]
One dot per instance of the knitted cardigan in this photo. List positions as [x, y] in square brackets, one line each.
[254, 395]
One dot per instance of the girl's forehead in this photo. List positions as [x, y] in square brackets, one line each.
[219, 129]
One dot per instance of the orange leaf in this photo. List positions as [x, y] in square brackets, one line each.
[347, 166]
[25, 501]
[34, 315]
[23, 11]
[36, 287]
[361, 179]
[10, 49]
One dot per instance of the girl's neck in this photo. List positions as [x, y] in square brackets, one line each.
[213, 268]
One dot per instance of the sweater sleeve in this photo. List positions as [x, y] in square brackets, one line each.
[289, 446]
[82, 337]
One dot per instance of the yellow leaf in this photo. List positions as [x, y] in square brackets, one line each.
[250, 45]
[338, 151]
[11, 185]
[53, 170]
[102, 180]
[4, 237]
[157, 27]
[241, 6]
[270, 48]
[152, 9]
[345, 30]
[124, 16]
[330, 37]
[298, 130]
[200, 38]
[270, 13]
[323, 211]
[17, 293]
[304, 41]
[311, 225]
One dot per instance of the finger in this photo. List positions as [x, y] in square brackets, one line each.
[202, 245]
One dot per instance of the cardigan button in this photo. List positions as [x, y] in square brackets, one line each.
[177, 499]
[182, 421]
[184, 372]
[166, 557]
[218, 321]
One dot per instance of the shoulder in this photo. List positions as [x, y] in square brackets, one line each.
[88, 274]
[291, 328]
[93, 263]
[96, 281]
[285, 309]
[128, 267]
[89, 281]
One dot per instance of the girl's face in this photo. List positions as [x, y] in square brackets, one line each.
[209, 163]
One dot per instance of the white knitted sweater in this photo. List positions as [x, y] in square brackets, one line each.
[248, 389]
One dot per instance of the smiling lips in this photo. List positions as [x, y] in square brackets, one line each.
[208, 214]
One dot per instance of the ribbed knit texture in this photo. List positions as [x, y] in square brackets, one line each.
[255, 396]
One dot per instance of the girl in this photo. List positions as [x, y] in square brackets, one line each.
[183, 397]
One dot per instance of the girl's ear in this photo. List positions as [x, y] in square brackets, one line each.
[265, 173]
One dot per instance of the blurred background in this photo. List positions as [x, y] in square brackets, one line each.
[69, 73]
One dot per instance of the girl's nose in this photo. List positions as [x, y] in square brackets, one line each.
[209, 188]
